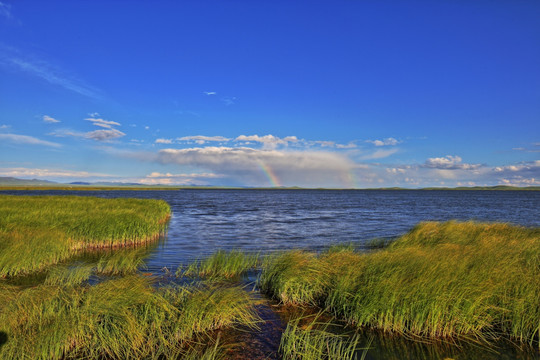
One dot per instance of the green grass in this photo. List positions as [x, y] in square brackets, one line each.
[124, 318]
[441, 280]
[221, 265]
[39, 231]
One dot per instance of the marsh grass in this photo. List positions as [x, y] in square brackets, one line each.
[441, 280]
[221, 265]
[124, 318]
[39, 231]
[313, 339]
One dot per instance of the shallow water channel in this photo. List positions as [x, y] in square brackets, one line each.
[265, 221]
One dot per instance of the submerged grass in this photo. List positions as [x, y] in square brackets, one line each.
[39, 231]
[124, 318]
[441, 280]
[315, 341]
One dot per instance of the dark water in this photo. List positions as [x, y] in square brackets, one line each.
[268, 220]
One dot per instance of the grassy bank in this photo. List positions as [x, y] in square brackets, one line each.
[467, 280]
[38, 231]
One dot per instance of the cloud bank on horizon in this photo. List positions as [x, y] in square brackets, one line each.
[352, 95]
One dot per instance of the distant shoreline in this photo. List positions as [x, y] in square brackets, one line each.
[64, 187]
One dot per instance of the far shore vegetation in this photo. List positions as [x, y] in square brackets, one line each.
[449, 282]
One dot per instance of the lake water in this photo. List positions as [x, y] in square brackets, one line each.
[268, 220]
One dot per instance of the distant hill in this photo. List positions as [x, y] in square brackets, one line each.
[14, 181]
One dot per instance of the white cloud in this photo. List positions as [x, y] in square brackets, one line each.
[47, 173]
[324, 143]
[200, 139]
[3, 127]
[155, 178]
[256, 166]
[147, 128]
[520, 181]
[350, 145]
[449, 162]
[210, 92]
[164, 141]
[268, 141]
[103, 123]
[104, 135]
[385, 142]
[30, 140]
[50, 120]
[97, 135]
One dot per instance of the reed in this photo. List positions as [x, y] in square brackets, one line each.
[441, 280]
[39, 231]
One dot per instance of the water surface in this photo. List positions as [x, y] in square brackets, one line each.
[268, 220]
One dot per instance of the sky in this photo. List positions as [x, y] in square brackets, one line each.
[340, 94]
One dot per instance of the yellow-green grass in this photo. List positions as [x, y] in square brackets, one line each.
[39, 231]
[124, 318]
[441, 280]
[221, 265]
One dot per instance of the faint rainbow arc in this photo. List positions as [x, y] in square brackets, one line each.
[269, 174]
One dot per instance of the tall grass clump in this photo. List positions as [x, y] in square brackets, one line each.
[441, 280]
[124, 318]
[39, 231]
[222, 265]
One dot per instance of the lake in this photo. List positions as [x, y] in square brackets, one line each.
[268, 220]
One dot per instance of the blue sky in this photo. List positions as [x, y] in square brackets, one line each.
[271, 93]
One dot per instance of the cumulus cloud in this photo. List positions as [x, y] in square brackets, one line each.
[252, 166]
[200, 139]
[103, 123]
[385, 142]
[29, 140]
[449, 162]
[50, 120]
[164, 141]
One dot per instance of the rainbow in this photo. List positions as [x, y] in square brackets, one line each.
[269, 174]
